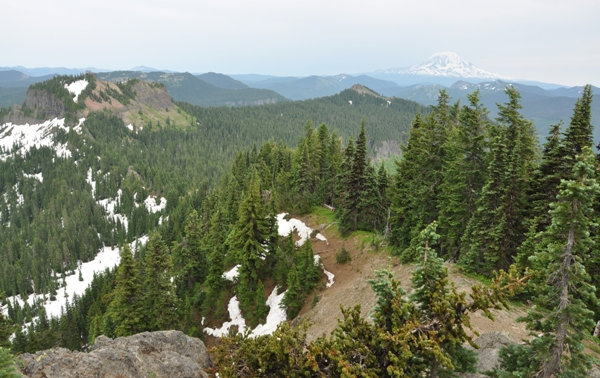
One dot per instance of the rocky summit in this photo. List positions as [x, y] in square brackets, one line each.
[148, 354]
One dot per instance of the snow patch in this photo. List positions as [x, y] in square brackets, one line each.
[275, 317]
[107, 258]
[232, 273]
[35, 176]
[284, 227]
[25, 137]
[76, 87]
[235, 314]
[130, 127]
[154, 207]
[330, 276]
[109, 205]
[91, 182]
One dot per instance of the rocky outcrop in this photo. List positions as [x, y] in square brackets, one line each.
[44, 105]
[488, 354]
[148, 354]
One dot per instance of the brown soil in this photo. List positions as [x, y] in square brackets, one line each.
[351, 287]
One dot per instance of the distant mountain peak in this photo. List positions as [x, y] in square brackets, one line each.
[361, 89]
[450, 64]
[444, 64]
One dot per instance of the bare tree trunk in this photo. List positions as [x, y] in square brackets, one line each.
[597, 329]
[553, 366]
[386, 232]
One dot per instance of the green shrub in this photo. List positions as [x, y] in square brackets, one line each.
[342, 256]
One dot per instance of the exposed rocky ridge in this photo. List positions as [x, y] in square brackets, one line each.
[44, 105]
[138, 103]
[362, 90]
[148, 354]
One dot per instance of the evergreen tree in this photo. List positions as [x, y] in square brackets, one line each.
[561, 319]
[125, 307]
[6, 329]
[464, 174]
[546, 177]
[7, 365]
[417, 183]
[189, 256]
[248, 239]
[578, 134]
[159, 299]
[496, 230]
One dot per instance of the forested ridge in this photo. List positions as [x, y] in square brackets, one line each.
[467, 189]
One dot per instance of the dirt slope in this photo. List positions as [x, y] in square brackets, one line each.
[351, 286]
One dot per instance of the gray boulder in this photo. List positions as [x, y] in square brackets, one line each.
[148, 354]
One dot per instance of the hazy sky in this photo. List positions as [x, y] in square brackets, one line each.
[547, 40]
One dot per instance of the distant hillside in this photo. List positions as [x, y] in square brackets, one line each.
[221, 81]
[189, 88]
[139, 104]
[316, 86]
[543, 107]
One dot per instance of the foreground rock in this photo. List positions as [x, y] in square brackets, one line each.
[148, 354]
[488, 354]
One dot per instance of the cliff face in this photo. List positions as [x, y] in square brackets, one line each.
[148, 354]
[44, 105]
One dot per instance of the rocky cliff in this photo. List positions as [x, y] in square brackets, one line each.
[148, 354]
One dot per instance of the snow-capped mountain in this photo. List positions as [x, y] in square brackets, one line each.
[445, 64]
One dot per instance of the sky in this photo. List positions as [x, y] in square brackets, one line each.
[554, 41]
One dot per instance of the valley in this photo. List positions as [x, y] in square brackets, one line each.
[126, 209]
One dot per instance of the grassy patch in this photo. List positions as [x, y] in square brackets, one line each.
[323, 215]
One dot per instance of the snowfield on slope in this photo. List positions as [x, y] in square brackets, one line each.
[25, 137]
[107, 258]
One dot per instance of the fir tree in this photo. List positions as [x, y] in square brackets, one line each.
[6, 329]
[125, 307]
[495, 232]
[561, 312]
[578, 134]
[7, 365]
[189, 256]
[248, 239]
[464, 174]
[159, 300]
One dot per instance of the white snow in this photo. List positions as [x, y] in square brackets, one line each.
[35, 176]
[76, 87]
[91, 182]
[287, 226]
[236, 320]
[109, 205]
[154, 207]
[107, 257]
[232, 273]
[330, 276]
[449, 64]
[25, 137]
[130, 127]
[275, 317]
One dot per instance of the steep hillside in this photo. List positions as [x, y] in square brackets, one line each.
[351, 285]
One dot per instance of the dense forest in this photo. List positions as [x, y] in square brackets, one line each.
[467, 189]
